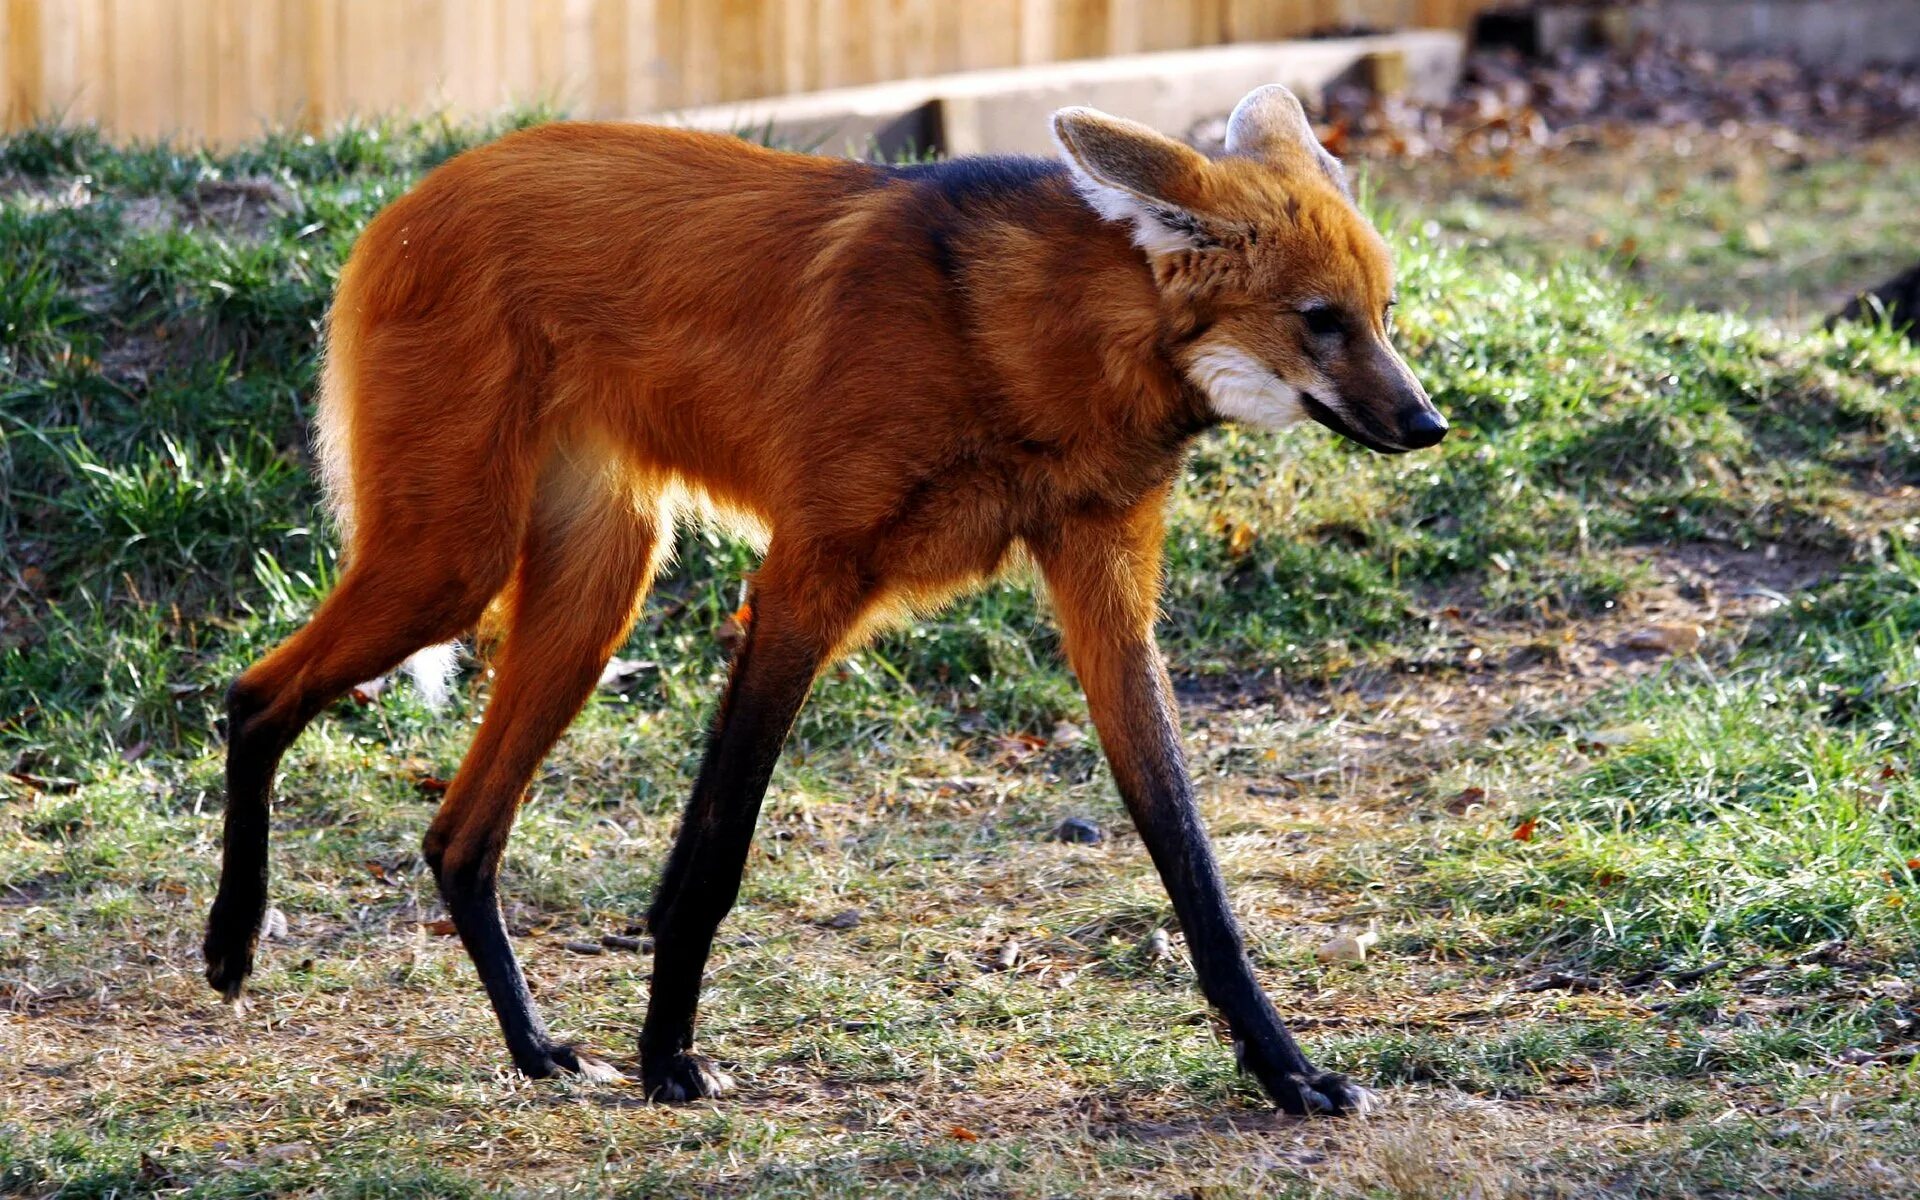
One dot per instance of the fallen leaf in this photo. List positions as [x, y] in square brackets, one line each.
[1014, 749]
[620, 673]
[1466, 799]
[1335, 140]
[1613, 738]
[962, 1133]
[444, 927]
[732, 633]
[1667, 637]
[433, 785]
[1523, 832]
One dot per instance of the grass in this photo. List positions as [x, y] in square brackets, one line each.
[1648, 917]
[1745, 218]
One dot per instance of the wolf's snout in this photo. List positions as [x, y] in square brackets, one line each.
[1421, 427]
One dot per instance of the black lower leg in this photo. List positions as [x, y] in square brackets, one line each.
[702, 878]
[1150, 767]
[255, 743]
[1170, 826]
[473, 902]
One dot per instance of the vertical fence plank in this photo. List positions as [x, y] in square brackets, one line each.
[989, 34]
[423, 52]
[233, 87]
[141, 83]
[274, 101]
[799, 45]
[189, 34]
[1036, 31]
[737, 57]
[699, 51]
[546, 51]
[70, 78]
[26, 82]
[56, 58]
[647, 84]
[606, 93]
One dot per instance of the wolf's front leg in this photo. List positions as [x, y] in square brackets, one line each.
[1104, 579]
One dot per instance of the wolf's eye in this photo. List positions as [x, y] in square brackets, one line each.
[1322, 320]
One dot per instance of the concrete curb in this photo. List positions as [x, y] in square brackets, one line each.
[1846, 34]
[1006, 111]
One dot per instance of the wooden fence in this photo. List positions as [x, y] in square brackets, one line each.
[227, 69]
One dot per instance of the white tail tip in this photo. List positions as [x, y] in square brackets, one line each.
[432, 670]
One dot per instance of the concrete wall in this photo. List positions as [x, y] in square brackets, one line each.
[1844, 33]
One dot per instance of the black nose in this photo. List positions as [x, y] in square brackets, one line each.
[1422, 428]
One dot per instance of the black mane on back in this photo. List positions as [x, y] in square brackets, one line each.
[967, 181]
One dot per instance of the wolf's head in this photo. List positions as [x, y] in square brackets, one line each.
[1289, 285]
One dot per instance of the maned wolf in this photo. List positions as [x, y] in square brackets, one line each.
[900, 377]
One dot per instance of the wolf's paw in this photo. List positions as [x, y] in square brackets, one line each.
[229, 952]
[683, 1077]
[1300, 1089]
[562, 1059]
[1329, 1094]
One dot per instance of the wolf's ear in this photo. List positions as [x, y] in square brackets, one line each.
[1270, 125]
[1131, 174]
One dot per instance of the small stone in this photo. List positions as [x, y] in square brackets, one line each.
[1079, 831]
[1157, 947]
[273, 927]
[845, 919]
[584, 947]
[1348, 947]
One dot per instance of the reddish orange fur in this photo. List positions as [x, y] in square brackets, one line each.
[902, 377]
[538, 353]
